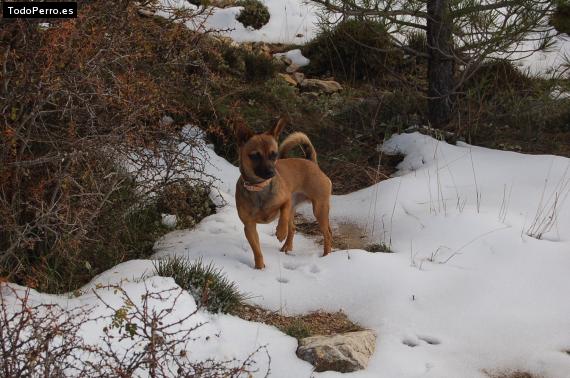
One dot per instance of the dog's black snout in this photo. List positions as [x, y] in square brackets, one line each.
[268, 174]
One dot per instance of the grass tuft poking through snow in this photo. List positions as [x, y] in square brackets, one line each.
[207, 284]
[378, 247]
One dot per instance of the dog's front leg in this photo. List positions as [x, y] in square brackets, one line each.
[253, 239]
[283, 223]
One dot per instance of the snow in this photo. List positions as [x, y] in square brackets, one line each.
[291, 21]
[465, 290]
[169, 220]
[296, 57]
[296, 22]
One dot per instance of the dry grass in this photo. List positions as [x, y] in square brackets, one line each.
[350, 176]
[314, 323]
[345, 236]
[510, 374]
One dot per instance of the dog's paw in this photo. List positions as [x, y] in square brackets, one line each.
[281, 233]
[286, 248]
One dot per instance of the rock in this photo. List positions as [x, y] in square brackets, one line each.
[311, 95]
[343, 353]
[296, 57]
[165, 121]
[288, 79]
[327, 86]
[292, 68]
[145, 12]
[283, 58]
[169, 220]
[299, 77]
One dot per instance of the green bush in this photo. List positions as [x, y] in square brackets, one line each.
[207, 284]
[254, 14]
[495, 77]
[354, 50]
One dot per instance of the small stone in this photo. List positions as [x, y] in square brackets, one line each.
[166, 121]
[292, 68]
[280, 57]
[327, 86]
[299, 77]
[344, 353]
[311, 95]
[145, 12]
[288, 79]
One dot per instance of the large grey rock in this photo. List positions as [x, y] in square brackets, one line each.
[343, 353]
[327, 86]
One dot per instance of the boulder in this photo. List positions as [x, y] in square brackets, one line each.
[344, 353]
[288, 79]
[292, 68]
[299, 77]
[327, 86]
[283, 58]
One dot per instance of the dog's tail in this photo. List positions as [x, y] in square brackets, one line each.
[298, 139]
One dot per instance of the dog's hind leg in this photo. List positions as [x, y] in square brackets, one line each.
[321, 212]
[253, 239]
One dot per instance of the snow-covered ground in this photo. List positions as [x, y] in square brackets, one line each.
[296, 22]
[465, 290]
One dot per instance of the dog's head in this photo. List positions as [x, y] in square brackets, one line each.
[258, 152]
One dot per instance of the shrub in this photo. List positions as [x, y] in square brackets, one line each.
[190, 203]
[139, 339]
[254, 14]
[81, 97]
[378, 247]
[498, 76]
[353, 50]
[560, 19]
[207, 284]
[258, 67]
[417, 40]
[297, 329]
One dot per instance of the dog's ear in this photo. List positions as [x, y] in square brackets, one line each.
[242, 132]
[276, 130]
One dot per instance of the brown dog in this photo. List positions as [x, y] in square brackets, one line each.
[270, 186]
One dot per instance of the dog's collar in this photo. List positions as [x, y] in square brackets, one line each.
[256, 187]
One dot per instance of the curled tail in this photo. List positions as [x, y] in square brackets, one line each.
[298, 139]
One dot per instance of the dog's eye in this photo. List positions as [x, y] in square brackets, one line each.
[273, 156]
[255, 156]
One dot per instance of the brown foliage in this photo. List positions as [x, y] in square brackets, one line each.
[79, 98]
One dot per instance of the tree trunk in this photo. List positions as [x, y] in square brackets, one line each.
[440, 63]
